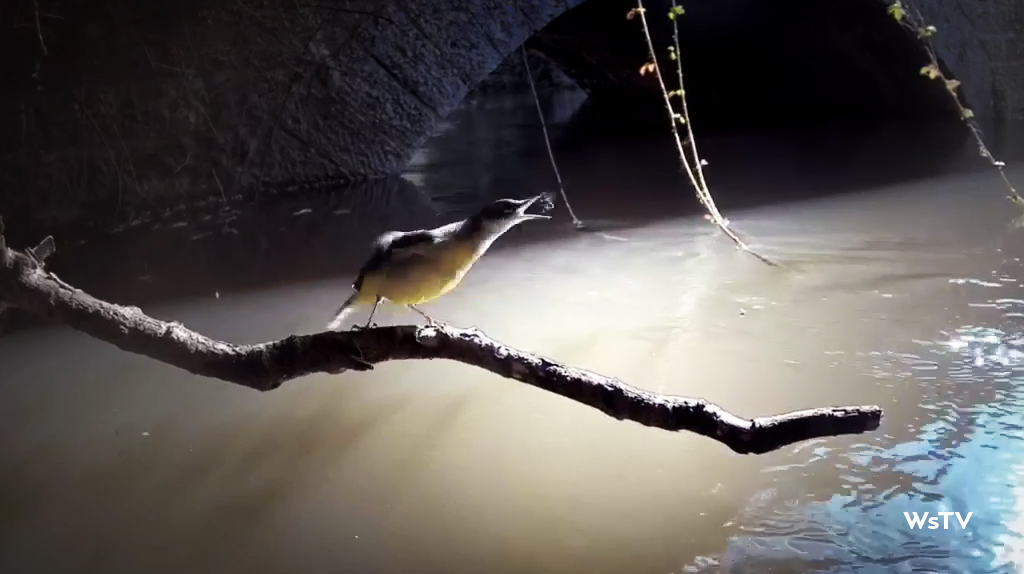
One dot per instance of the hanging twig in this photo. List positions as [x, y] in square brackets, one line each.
[39, 28]
[699, 184]
[223, 196]
[547, 141]
[911, 20]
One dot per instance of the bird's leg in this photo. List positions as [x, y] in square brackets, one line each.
[430, 320]
[372, 311]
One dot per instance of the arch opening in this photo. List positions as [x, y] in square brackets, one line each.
[751, 65]
[831, 90]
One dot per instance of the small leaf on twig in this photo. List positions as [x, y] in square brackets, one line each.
[648, 67]
[676, 93]
[897, 11]
[675, 12]
[952, 85]
[926, 32]
[931, 70]
[634, 12]
[966, 113]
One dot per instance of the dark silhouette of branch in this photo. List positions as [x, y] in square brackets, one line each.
[39, 28]
[27, 285]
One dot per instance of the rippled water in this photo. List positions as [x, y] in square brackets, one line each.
[957, 448]
[905, 294]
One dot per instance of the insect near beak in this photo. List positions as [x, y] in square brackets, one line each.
[521, 214]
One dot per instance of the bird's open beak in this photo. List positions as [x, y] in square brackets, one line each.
[526, 203]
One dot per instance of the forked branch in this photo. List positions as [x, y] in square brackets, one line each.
[27, 285]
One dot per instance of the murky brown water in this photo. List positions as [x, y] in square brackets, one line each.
[907, 296]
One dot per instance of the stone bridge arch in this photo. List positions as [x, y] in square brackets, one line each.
[147, 100]
[414, 63]
[388, 78]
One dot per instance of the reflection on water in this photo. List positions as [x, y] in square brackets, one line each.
[964, 458]
[960, 451]
[907, 296]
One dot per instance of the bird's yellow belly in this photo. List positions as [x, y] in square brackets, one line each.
[421, 279]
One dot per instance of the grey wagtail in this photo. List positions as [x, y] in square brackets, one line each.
[412, 267]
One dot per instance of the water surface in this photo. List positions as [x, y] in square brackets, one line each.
[904, 294]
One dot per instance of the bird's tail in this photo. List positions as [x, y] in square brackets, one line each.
[347, 307]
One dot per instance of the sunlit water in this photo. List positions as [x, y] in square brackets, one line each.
[906, 295]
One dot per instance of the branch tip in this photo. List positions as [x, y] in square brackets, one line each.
[46, 248]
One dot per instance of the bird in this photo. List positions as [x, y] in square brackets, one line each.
[412, 267]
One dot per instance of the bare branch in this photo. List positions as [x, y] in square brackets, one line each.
[266, 366]
[912, 21]
[695, 173]
[223, 197]
[39, 29]
[40, 252]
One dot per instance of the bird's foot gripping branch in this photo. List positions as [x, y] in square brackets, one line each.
[27, 285]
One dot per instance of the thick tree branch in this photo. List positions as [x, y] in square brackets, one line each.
[24, 283]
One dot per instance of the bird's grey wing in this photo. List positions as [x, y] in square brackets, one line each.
[392, 246]
[410, 243]
[385, 239]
